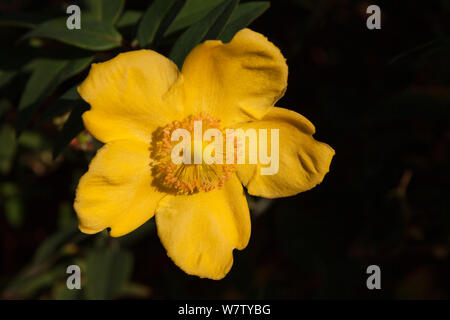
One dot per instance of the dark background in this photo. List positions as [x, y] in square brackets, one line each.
[385, 200]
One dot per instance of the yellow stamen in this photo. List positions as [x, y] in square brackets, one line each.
[188, 178]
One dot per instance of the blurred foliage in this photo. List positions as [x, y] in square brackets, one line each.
[380, 98]
[42, 63]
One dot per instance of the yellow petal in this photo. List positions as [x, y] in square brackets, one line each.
[199, 231]
[117, 190]
[235, 82]
[303, 161]
[129, 96]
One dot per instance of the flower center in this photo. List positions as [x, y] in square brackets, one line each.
[180, 165]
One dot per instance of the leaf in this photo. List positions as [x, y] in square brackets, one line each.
[6, 76]
[47, 75]
[33, 140]
[108, 271]
[195, 34]
[93, 35]
[9, 189]
[151, 21]
[245, 14]
[135, 291]
[8, 145]
[192, 12]
[61, 292]
[12, 203]
[5, 106]
[23, 19]
[62, 105]
[52, 244]
[74, 67]
[14, 211]
[111, 10]
[170, 17]
[26, 286]
[423, 50]
[72, 127]
[222, 21]
[66, 215]
[137, 235]
[129, 18]
[107, 11]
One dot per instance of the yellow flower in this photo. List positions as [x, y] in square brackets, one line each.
[201, 211]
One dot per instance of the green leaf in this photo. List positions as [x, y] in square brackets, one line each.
[8, 145]
[6, 76]
[44, 76]
[222, 21]
[93, 35]
[66, 102]
[42, 73]
[134, 291]
[61, 292]
[33, 140]
[47, 75]
[112, 9]
[27, 286]
[66, 215]
[423, 50]
[72, 93]
[192, 12]
[72, 127]
[107, 11]
[139, 234]
[152, 20]
[14, 212]
[23, 19]
[245, 14]
[195, 34]
[52, 244]
[5, 106]
[58, 108]
[129, 18]
[9, 189]
[74, 67]
[108, 271]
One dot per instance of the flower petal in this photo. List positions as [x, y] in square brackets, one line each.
[303, 161]
[129, 96]
[117, 190]
[237, 81]
[199, 231]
